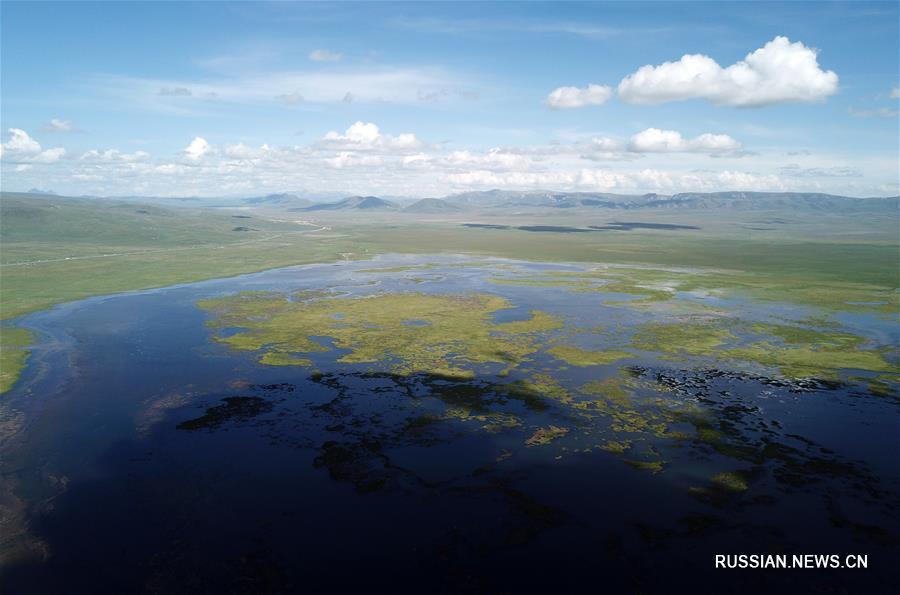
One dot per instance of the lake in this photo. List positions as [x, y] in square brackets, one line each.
[446, 423]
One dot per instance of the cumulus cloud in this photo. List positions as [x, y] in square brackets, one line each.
[778, 72]
[22, 148]
[573, 97]
[197, 149]
[654, 140]
[20, 142]
[49, 156]
[322, 55]
[367, 136]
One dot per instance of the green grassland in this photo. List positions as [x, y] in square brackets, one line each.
[55, 250]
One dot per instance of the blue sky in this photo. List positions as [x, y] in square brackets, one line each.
[426, 99]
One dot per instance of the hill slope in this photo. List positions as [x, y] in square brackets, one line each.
[354, 203]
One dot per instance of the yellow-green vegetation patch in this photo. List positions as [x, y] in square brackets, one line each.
[582, 357]
[546, 435]
[676, 339]
[799, 352]
[616, 446]
[535, 390]
[734, 481]
[651, 466]
[277, 358]
[539, 322]
[451, 332]
[13, 355]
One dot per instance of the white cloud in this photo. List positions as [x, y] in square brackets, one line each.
[20, 142]
[49, 156]
[895, 93]
[367, 136]
[114, 155]
[322, 55]
[22, 148]
[242, 151]
[197, 149]
[365, 160]
[493, 159]
[778, 72]
[349, 159]
[654, 140]
[57, 125]
[625, 182]
[573, 97]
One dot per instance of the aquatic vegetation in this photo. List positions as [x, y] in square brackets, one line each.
[277, 358]
[616, 446]
[451, 333]
[722, 487]
[803, 352]
[734, 481]
[536, 390]
[13, 355]
[546, 435]
[677, 339]
[651, 466]
[583, 357]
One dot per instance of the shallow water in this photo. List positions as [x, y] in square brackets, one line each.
[154, 459]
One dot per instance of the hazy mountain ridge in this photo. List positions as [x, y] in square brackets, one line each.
[502, 199]
[354, 203]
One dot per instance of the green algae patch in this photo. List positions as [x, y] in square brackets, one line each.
[546, 435]
[14, 354]
[451, 333]
[576, 356]
[682, 338]
[799, 352]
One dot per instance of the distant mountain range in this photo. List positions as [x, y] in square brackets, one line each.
[702, 200]
[503, 199]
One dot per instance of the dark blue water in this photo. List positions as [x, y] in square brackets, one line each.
[154, 460]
